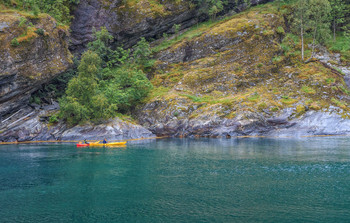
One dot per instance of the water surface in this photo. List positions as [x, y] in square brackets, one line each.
[178, 180]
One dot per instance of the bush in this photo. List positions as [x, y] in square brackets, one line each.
[14, 42]
[39, 31]
[127, 88]
[280, 30]
[142, 53]
[22, 22]
[72, 111]
[53, 118]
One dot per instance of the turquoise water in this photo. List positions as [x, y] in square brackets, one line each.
[178, 180]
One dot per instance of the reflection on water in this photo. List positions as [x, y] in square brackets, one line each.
[172, 180]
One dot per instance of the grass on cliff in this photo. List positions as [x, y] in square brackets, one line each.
[280, 79]
[189, 34]
[341, 45]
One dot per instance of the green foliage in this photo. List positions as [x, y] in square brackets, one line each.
[35, 100]
[36, 10]
[211, 7]
[276, 59]
[311, 18]
[341, 45]
[280, 30]
[108, 81]
[176, 28]
[189, 34]
[59, 9]
[255, 97]
[39, 31]
[14, 42]
[100, 46]
[338, 15]
[125, 87]
[53, 118]
[22, 22]
[165, 36]
[142, 53]
[72, 111]
[84, 102]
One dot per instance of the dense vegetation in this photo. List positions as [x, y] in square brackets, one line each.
[109, 81]
[59, 9]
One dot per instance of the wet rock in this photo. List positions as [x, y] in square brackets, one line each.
[114, 129]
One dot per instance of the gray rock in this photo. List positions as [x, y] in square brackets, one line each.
[128, 28]
[253, 124]
[27, 126]
[3, 26]
[23, 69]
[114, 129]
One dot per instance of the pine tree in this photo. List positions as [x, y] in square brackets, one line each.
[338, 14]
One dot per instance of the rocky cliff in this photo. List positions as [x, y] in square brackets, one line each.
[33, 51]
[240, 76]
[127, 21]
[237, 76]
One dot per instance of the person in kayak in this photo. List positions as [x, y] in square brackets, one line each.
[86, 142]
[104, 141]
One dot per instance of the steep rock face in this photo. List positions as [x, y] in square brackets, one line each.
[235, 79]
[40, 53]
[129, 21]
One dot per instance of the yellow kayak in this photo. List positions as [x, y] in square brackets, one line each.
[94, 143]
[108, 144]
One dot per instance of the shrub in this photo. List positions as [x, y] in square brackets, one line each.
[14, 42]
[53, 118]
[22, 22]
[280, 30]
[126, 88]
[39, 31]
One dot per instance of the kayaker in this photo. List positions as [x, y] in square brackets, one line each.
[104, 141]
[85, 141]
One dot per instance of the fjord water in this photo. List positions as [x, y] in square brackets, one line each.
[178, 180]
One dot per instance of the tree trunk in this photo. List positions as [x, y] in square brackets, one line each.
[302, 41]
[334, 30]
[314, 40]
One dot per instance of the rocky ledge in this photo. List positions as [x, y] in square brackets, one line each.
[30, 124]
[287, 124]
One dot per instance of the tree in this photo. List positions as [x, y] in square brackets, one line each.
[100, 44]
[318, 21]
[101, 47]
[338, 14]
[142, 53]
[83, 100]
[312, 19]
[300, 21]
[215, 7]
[210, 7]
[126, 87]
